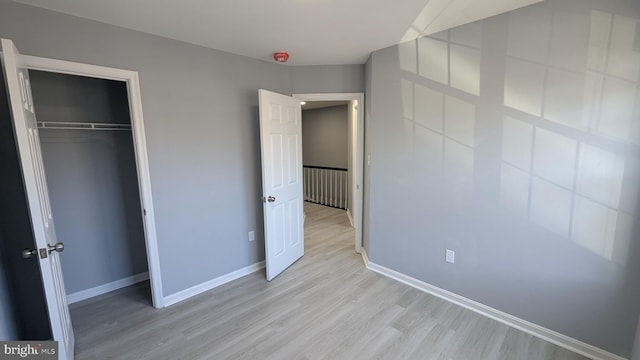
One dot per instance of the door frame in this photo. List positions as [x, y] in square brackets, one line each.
[357, 150]
[140, 149]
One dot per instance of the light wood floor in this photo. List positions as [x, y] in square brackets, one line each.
[326, 306]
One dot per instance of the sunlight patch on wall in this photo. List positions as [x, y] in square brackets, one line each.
[433, 59]
[556, 99]
[523, 86]
[429, 108]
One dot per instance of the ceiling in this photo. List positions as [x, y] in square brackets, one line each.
[314, 32]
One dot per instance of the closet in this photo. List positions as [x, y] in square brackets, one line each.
[88, 154]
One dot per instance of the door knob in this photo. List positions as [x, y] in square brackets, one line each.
[271, 199]
[59, 247]
[28, 253]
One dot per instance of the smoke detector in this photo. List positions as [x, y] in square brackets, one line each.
[281, 56]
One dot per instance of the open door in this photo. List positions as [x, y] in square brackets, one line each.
[281, 143]
[47, 247]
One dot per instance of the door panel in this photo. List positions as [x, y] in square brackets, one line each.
[25, 282]
[281, 139]
[295, 227]
[25, 127]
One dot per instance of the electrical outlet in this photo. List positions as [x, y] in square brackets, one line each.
[252, 235]
[450, 257]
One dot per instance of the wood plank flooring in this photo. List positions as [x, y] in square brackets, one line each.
[325, 306]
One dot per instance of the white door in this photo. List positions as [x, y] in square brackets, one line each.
[26, 131]
[281, 140]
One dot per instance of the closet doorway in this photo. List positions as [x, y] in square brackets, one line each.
[94, 153]
[87, 151]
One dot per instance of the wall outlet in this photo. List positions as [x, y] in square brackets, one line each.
[252, 235]
[450, 256]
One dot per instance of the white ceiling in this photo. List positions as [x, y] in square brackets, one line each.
[314, 32]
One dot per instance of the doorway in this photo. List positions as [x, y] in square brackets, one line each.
[355, 138]
[131, 82]
[87, 152]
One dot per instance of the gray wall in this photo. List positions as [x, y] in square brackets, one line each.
[514, 142]
[327, 79]
[92, 179]
[366, 191]
[201, 121]
[324, 137]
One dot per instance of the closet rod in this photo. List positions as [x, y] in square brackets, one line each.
[81, 125]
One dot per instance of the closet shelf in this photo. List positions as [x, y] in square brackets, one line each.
[81, 125]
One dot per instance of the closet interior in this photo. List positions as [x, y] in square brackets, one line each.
[89, 159]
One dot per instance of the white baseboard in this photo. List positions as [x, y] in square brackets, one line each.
[103, 289]
[561, 340]
[365, 257]
[206, 286]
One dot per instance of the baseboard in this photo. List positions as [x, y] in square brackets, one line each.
[561, 340]
[350, 218]
[206, 286]
[103, 289]
[365, 257]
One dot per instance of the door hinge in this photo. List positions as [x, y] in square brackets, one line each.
[144, 212]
